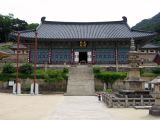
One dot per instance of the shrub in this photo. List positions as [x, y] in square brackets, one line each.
[26, 69]
[65, 70]
[54, 75]
[111, 75]
[8, 69]
[26, 87]
[49, 76]
[40, 73]
[96, 70]
[52, 79]
[156, 70]
[109, 90]
[142, 71]
[4, 77]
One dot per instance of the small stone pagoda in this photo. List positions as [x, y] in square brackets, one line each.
[133, 81]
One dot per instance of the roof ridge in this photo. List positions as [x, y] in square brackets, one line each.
[99, 22]
[151, 44]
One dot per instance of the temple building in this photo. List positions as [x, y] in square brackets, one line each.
[83, 42]
[148, 52]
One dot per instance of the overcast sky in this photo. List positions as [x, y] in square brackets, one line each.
[81, 10]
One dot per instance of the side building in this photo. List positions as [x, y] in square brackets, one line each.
[148, 52]
[83, 42]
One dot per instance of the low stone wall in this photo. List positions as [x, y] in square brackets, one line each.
[98, 85]
[115, 102]
[44, 87]
[23, 58]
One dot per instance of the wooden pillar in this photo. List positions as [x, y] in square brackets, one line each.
[116, 55]
[92, 56]
[29, 54]
[49, 55]
[35, 58]
[72, 53]
[18, 42]
[93, 53]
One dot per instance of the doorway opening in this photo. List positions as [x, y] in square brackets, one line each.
[83, 57]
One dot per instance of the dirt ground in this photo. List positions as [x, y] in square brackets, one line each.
[27, 107]
[131, 114]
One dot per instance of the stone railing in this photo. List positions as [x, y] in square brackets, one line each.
[115, 102]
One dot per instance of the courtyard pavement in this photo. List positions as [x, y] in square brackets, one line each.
[81, 108]
[59, 107]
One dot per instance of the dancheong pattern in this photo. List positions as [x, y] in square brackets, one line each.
[123, 55]
[61, 56]
[105, 56]
[42, 55]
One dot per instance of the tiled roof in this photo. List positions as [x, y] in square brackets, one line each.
[85, 30]
[4, 52]
[14, 46]
[150, 45]
[156, 80]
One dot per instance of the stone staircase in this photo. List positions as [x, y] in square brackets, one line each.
[80, 81]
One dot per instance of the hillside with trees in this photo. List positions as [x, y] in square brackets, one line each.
[8, 24]
[151, 24]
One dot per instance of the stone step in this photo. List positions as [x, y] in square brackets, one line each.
[80, 90]
[142, 107]
[80, 84]
[81, 81]
[77, 78]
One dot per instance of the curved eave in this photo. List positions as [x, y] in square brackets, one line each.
[151, 48]
[87, 39]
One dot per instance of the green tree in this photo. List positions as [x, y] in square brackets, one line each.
[5, 27]
[26, 69]
[8, 24]
[19, 25]
[108, 78]
[32, 26]
[8, 69]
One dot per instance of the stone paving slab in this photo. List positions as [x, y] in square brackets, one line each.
[80, 108]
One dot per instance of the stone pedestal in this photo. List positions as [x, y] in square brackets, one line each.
[133, 73]
[14, 89]
[17, 88]
[133, 81]
[134, 85]
[34, 89]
